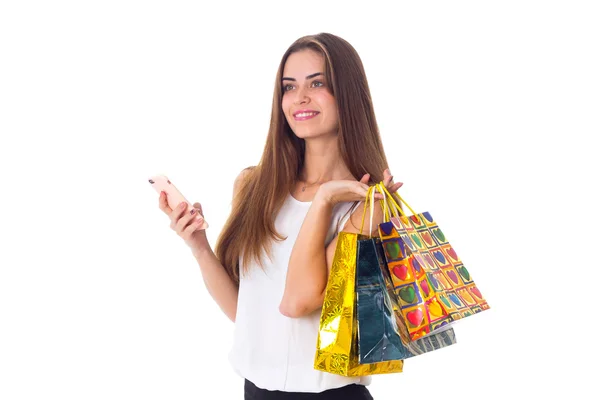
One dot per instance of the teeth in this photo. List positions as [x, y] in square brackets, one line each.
[309, 114]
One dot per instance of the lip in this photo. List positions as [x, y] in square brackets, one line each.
[305, 111]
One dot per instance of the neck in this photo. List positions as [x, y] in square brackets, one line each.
[323, 162]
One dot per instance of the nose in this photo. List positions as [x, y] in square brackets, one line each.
[301, 97]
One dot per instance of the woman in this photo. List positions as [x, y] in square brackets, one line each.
[272, 259]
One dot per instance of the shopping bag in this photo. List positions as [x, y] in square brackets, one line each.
[432, 285]
[337, 341]
[382, 335]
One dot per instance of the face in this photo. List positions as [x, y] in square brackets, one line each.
[307, 102]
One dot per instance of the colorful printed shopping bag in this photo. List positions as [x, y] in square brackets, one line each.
[433, 286]
[381, 337]
[337, 341]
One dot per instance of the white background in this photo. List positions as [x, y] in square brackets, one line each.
[488, 112]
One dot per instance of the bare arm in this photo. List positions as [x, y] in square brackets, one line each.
[216, 279]
[218, 283]
[310, 261]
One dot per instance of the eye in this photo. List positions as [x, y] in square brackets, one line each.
[318, 83]
[287, 88]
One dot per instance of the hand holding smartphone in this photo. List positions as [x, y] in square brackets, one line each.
[161, 183]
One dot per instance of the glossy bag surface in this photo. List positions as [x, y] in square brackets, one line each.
[382, 335]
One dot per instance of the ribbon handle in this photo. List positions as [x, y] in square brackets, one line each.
[369, 200]
[390, 208]
[391, 197]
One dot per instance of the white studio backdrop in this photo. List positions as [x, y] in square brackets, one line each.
[488, 111]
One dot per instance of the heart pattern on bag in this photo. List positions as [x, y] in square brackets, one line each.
[434, 278]
[415, 317]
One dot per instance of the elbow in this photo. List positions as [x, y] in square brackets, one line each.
[294, 307]
[300, 306]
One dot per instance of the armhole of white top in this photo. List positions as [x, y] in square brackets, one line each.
[342, 222]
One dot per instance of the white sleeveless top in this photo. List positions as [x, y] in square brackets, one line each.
[271, 350]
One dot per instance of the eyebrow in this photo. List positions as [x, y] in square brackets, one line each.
[307, 77]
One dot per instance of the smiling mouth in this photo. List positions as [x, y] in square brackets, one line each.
[305, 115]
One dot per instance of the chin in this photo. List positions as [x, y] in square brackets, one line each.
[309, 134]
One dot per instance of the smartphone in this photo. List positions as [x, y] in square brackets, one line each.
[161, 183]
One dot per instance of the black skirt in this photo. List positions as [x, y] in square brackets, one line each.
[349, 392]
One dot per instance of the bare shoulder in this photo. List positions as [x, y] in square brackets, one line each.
[241, 178]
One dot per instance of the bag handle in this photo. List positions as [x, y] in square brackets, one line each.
[370, 200]
[389, 209]
[391, 197]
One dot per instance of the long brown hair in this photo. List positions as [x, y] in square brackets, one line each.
[248, 232]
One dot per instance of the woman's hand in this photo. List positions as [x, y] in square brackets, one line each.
[338, 191]
[388, 181]
[185, 224]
